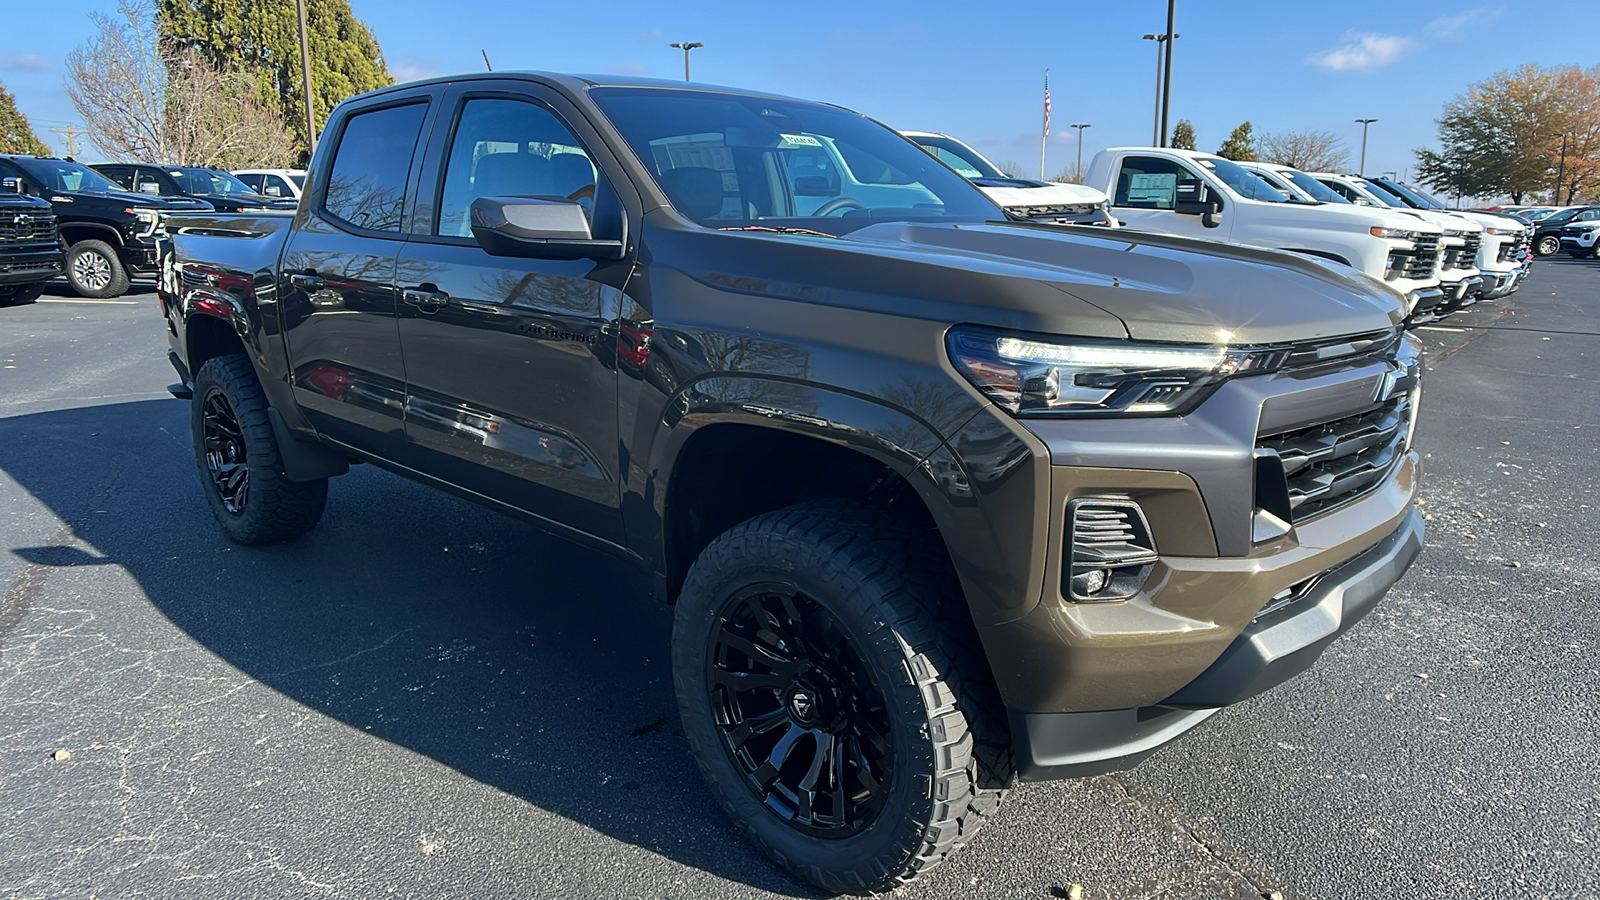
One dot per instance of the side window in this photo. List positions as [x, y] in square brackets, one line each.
[812, 172]
[253, 182]
[273, 186]
[511, 148]
[1588, 215]
[145, 184]
[1147, 182]
[367, 185]
[955, 162]
[122, 177]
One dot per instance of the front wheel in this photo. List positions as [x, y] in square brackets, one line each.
[238, 460]
[835, 697]
[1547, 246]
[94, 270]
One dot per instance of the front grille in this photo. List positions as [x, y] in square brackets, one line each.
[16, 228]
[1417, 263]
[1035, 212]
[1508, 251]
[1328, 465]
[1470, 253]
[1457, 258]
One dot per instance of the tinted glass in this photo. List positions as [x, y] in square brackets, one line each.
[511, 148]
[1384, 196]
[252, 181]
[195, 180]
[1243, 181]
[367, 185]
[1315, 188]
[960, 157]
[732, 161]
[60, 175]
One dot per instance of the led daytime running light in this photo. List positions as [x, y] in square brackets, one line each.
[1088, 356]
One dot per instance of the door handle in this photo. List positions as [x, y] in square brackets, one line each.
[425, 299]
[308, 281]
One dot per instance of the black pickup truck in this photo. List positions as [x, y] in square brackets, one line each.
[110, 234]
[214, 187]
[942, 500]
[30, 248]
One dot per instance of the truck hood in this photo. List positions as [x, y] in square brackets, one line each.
[1023, 192]
[1052, 280]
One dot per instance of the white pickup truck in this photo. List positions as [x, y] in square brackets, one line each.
[1459, 275]
[1507, 243]
[1205, 196]
[1023, 199]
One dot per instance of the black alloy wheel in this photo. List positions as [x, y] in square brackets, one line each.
[225, 453]
[799, 712]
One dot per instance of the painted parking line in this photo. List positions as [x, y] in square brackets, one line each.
[89, 302]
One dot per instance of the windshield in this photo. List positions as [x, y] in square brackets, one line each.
[1411, 197]
[960, 157]
[194, 180]
[1383, 196]
[1315, 188]
[1556, 217]
[60, 175]
[731, 162]
[1243, 181]
[1276, 181]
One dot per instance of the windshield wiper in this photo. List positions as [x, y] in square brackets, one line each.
[779, 229]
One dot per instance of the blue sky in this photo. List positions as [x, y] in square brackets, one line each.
[974, 70]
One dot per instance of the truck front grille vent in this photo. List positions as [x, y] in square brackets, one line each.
[1326, 466]
[1417, 263]
[16, 229]
[1110, 551]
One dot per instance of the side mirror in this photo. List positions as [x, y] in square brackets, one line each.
[149, 187]
[1192, 199]
[11, 184]
[538, 228]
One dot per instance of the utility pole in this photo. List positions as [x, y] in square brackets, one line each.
[1078, 172]
[686, 46]
[72, 138]
[1362, 171]
[1155, 120]
[1561, 170]
[1166, 79]
[305, 73]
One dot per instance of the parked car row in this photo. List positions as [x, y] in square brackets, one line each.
[104, 222]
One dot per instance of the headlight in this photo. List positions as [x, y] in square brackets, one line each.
[147, 216]
[1034, 376]
[1393, 234]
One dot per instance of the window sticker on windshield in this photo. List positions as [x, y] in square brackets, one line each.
[1153, 188]
[798, 140]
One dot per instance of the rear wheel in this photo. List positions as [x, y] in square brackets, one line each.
[20, 294]
[238, 460]
[835, 697]
[94, 270]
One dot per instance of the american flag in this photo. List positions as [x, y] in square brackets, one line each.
[1046, 102]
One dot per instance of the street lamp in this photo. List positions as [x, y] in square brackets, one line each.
[686, 46]
[1362, 171]
[1078, 173]
[1561, 171]
[1155, 125]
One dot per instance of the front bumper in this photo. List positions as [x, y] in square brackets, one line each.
[29, 266]
[1271, 650]
[1423, 305]
[140, 254]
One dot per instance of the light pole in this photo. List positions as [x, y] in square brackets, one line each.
[305, 73]
[1561, 170]
[1155, 122]
[1364, 123]
[1166, 77]
[686, 46]
[1078, 172]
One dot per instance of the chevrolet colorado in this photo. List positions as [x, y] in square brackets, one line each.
[942, 500]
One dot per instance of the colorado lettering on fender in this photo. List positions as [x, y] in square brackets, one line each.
[554, 334]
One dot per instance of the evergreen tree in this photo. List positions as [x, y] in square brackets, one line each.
[262, 38]
[1182, 136]
[1240, 145]
[16, 135]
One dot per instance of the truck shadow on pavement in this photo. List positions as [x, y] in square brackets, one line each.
[527, 664]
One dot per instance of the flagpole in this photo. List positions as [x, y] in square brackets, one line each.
[1044, 137]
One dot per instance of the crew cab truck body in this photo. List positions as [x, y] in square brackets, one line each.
[30, 248]
[111, 235]
[1201, 195]
[942, 500]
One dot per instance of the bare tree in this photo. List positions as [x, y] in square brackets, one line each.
[1309, 151]
[1070, 175]
[144, 103]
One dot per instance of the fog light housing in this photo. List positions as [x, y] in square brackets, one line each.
[1109, 550]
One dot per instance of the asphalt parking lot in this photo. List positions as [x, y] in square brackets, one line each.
[426, 699]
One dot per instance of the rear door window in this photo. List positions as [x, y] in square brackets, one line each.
[367, 184]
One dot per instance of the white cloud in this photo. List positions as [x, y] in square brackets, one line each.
[24, 62]
[410, 68]
[1362, 51]
[1452, 26]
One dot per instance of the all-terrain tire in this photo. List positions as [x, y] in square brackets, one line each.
[20, 295]
[94, 270]
[891, 591]
[245, 453]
